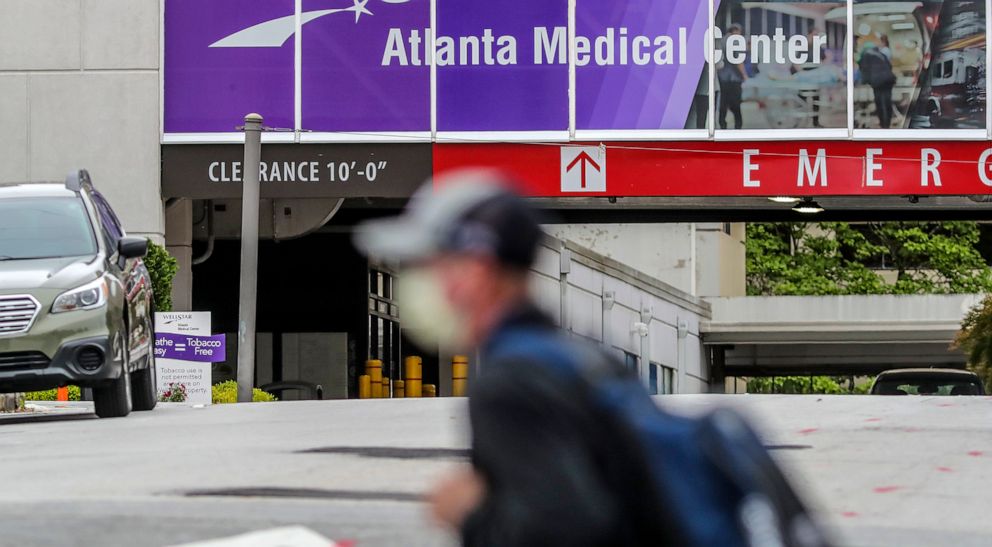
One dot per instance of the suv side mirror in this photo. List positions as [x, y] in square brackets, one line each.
[132, 247]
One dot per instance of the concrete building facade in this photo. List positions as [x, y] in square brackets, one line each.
[79, 88]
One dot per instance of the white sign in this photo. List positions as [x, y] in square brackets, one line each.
[183, 322]
[192, 377]
[583, 169]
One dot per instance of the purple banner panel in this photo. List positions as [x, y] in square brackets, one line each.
[185, 347]
[489, 77]
[225, 59]
[350, 82]
[640, 64]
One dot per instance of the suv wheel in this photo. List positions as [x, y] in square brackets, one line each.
[113, 400]
[145, 394]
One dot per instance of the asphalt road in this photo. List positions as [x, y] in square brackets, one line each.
[906, 471]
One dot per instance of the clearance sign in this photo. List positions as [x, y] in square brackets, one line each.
[803, 168]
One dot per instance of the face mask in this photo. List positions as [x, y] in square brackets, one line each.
[427, 316]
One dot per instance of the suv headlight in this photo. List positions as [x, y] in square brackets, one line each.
[90, 296]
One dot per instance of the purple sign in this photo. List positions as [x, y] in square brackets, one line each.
[639, 63]
[364, 66]
[502, 65]
[185, 347]
[215, 73]
[347, 86]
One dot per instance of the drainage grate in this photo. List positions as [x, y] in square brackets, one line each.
[788, 447]
[306, 493]
[392, 452]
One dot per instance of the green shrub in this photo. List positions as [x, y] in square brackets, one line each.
[162, 268]
[825, 385]
[51, 395]
[227, 392]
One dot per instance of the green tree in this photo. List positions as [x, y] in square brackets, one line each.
[838, 258]
[934, 257]
[975, 339]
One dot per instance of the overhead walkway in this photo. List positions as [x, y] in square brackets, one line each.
[835, 335]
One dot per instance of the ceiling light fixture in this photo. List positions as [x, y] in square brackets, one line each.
[808, 207]
[783, 199]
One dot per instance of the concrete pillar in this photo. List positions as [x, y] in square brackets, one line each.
[718, 369]
[179, 243]
[720, 262]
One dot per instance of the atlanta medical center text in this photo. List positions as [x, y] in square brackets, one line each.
[616, 47]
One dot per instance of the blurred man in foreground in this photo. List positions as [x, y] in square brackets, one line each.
[566, 443]
[539, 475]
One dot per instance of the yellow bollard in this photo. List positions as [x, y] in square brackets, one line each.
[385, 388]
[399, 389]
[414, 367]
[373, 368]
[459, 375]
[364, 387]
[429, 390]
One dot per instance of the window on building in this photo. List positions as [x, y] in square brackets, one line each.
[667, 381]
[384, 326]
[631, 361]
[662, 379]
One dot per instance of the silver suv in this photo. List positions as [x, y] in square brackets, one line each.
[75, 298]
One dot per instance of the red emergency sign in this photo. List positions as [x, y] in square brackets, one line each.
[798, 168]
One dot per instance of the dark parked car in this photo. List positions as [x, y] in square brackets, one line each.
[927, 381]
[75, 297]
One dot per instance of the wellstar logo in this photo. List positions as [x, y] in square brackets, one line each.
[276, 32]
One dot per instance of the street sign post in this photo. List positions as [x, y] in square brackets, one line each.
[249, 258]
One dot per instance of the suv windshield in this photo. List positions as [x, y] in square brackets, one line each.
[926, 385]
[44, 228]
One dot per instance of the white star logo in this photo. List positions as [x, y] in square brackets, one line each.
[359, 9]
[276, 32]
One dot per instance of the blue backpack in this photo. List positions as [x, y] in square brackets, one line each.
[713, 479]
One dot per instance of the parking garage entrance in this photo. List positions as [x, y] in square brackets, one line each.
[323, 309]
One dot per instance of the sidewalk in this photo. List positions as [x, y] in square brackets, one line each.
[41, 411]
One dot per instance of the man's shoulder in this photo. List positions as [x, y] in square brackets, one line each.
[548, 350]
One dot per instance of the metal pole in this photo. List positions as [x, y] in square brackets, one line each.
[249, 258]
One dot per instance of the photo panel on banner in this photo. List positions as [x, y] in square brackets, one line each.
[225, 59]
[502, 65]
[641, 65]
[920, 64]
[780, 64]
[365, 66]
